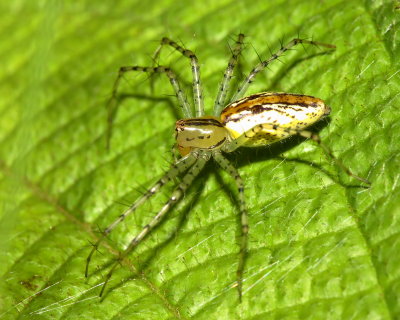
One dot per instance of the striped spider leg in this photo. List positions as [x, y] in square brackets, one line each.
[194, 62]
[112, 104]
[256, 120]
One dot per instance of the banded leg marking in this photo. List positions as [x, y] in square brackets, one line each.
[263, 64]
[197, 88]
[175, 197]
[224, 87]
[289, 132]
[111, 107]
[179, 167]
[228, 167]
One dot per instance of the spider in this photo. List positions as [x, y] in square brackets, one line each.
[256, 120]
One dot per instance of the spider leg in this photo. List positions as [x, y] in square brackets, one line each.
[228, 167]
[263, 64]
[224, 87]
[197, 88]
[282, 133]
[177, 168]
[174, 198]
[112, 104]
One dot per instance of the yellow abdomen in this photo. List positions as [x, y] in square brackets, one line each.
[281, 109]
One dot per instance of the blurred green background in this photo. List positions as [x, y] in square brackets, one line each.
[321, 246]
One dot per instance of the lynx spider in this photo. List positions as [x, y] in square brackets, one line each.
[259, 119]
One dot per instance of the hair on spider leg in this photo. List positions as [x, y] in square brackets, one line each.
[232, 37]
[98, 231]
[235, 40]
[334, 177]
[291, 65]
[229, 72]
[230, 47]
[125, 203]
[179, 43]
[92, 244]
[258, 55]
[95, 247]
[304, 48]
[281, 43]
[114, 99]
[298, 34]
[269, 49]
[167, 161]
[181, 215]
[112, 112]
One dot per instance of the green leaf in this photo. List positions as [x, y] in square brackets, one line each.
[321, 246]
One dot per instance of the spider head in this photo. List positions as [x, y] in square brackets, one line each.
[200, 133]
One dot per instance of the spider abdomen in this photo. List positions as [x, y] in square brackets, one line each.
[285, 110]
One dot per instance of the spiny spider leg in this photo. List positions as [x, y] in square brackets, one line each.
[224, 87]
[200, 138]
[197, 88]
[228, 167]
[112, 104]
[174, 198]
[282, 131]
[177, 168]
[263, 64]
